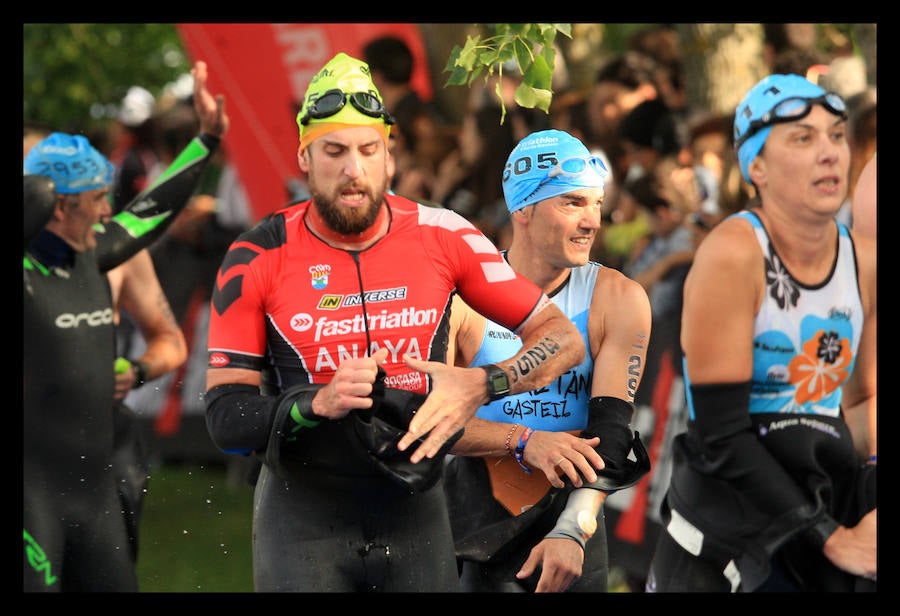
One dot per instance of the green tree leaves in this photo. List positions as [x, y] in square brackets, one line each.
[73, 71]
[526, 48]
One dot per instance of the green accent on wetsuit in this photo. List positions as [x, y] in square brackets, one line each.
[137, 226]
[37, 558]
[31, 264]
[302, 422]
[195, 153]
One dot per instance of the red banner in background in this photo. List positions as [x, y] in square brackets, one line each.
[263, 70]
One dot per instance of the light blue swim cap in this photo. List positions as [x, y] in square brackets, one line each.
[71, 162]
[548, 163]
[761, 98]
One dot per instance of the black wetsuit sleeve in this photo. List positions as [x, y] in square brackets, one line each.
[610, 419]
[148, 215]
[728, 484]
[239, 418]
[722, 430]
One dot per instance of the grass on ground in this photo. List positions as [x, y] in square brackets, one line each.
[196, 528]
[195, 531]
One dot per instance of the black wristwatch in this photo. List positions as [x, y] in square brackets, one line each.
[497, 381]
[140, 373]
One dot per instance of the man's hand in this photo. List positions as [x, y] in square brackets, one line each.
[455, 396]
[561, 561]
[124, 379]
[350, 388]
[210, 109]
[560, 454]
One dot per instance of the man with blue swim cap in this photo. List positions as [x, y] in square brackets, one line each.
[531, 472]
[74, 535]
[71, 162]
[546, 164]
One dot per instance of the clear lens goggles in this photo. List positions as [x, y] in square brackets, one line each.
[576, 166]
[332, 101]
[791, 109]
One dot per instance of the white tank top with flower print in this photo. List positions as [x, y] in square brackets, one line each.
[805, 338]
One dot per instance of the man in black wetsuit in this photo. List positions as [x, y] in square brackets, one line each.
[74, 534]
[327, 348]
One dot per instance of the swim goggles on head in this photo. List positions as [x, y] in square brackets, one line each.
[332, 101]
[576, 166]
[791, 109]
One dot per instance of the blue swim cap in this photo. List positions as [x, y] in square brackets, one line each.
[761, 98]
[71, 162]
[548, 163]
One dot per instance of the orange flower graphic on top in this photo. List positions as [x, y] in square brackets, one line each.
[821, 367]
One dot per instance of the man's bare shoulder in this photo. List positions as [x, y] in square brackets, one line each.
[620, 314]
[612, 284]
[619, 301]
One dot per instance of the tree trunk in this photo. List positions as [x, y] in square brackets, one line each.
[721, 62]
[865, 37]
[439, 40]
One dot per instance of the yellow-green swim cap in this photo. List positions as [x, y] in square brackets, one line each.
[340, 95]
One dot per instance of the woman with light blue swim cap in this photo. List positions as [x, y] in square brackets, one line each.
[773, 482]
[776, 99]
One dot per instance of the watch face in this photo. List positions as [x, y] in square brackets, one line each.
[498, 382]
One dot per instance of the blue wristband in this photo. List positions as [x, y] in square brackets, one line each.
[519, 454]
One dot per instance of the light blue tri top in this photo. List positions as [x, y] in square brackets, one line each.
[805, 338]
[562, 405]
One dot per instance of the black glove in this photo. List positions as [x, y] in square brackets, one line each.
[381, 428]
[620, 475]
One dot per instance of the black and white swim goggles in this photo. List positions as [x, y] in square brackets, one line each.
[331, 102]
[789, 110]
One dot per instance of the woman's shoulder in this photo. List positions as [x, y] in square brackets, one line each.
[731, 241]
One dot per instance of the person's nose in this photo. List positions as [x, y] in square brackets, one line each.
[353, 166]
[831, 150]
[591, 217]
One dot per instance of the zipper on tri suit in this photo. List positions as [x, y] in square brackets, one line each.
[354, 254]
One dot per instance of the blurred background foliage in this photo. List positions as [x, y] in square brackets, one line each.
[74, 74]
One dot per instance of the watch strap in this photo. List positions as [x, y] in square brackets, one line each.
[140, 373]
[497, 381]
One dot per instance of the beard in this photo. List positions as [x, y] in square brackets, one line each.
[349, 221]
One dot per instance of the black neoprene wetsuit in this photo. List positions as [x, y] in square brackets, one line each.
[74, 531]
